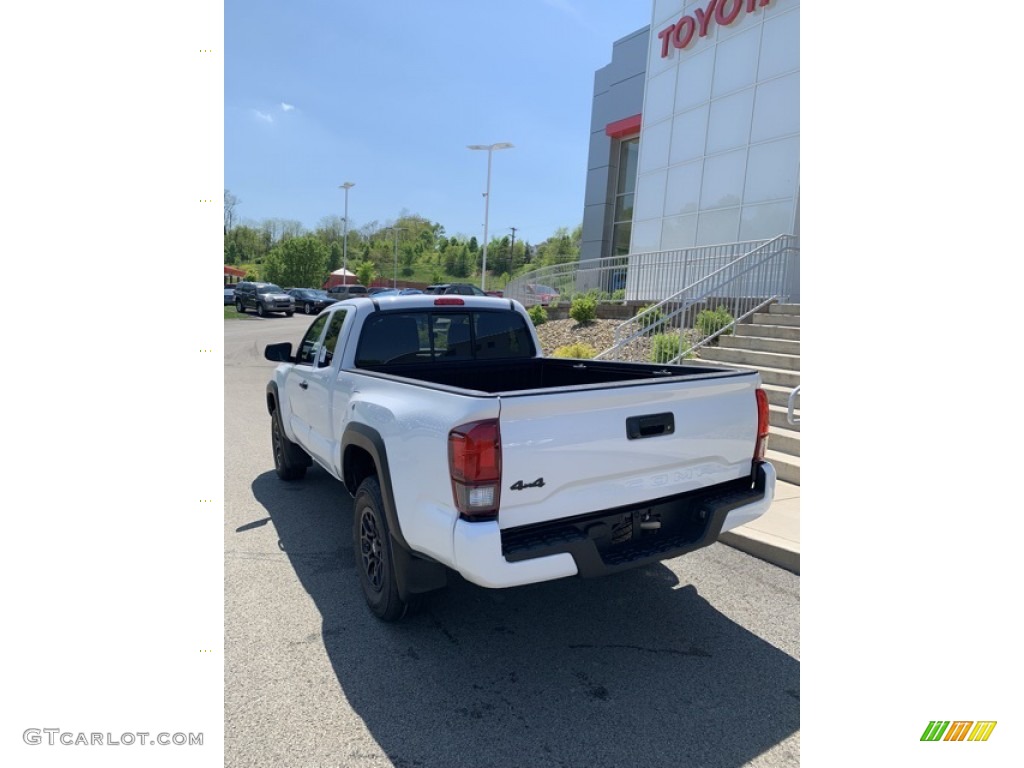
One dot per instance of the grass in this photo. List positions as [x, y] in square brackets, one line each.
[230, 313]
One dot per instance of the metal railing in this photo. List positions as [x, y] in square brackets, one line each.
[712, 303]
[638, 277]
[791, 417]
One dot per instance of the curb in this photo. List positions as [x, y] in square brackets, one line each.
[764, 546]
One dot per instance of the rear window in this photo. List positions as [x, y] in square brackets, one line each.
[390, 338]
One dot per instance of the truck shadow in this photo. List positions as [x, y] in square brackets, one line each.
[634, 669]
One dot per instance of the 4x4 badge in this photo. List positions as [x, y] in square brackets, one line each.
[520, 485]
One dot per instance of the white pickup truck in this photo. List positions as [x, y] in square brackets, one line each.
[466, 449]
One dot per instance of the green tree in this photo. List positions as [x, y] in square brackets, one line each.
[366, 271]
[336, 257]
[297, 261]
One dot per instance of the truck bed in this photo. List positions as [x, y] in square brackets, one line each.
[505, 376]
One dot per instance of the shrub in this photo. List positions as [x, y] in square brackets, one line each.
[650, 319]
[619, 295]
[665, 347]
[583, 309]
[710, 321]
[538, 315]
[576, 351]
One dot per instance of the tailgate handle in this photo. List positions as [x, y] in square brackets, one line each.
[638, 427]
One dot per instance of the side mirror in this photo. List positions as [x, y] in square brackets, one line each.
[279, 353]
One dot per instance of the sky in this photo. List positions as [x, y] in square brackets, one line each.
[389, 94]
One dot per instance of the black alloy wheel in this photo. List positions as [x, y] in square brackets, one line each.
[287, 462]
[371, 548]
[376, 565]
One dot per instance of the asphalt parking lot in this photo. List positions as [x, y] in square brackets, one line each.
[691, 662]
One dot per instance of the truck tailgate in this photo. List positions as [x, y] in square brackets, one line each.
[567, 453]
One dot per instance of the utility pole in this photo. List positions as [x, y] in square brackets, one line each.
[344, 248]
[512, 254]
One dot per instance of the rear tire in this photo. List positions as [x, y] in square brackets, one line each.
[288, 457]
[374, 559]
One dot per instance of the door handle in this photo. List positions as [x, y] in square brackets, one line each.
[652, 425]
[304, 385]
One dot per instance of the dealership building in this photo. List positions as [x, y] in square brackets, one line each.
[695, 132]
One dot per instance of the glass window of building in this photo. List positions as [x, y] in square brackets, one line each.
[624, 189]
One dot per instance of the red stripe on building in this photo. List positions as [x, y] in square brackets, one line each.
[624, 127]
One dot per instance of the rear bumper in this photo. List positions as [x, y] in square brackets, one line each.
[612, 540]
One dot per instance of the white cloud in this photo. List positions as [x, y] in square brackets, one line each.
[263, 116]
[287, 107]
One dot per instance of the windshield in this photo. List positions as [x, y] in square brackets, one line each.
[271, 288]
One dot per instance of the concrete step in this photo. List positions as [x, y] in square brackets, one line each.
[784, 309]
[786, 467]
[769, 331]
[779, 395]
[784, 440]
[768, 318]
[760, 344]
[777, 418]
[752, 359]
[775, 377]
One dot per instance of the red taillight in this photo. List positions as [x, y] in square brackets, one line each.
[449, 301]
[474, 459]
[762, 425]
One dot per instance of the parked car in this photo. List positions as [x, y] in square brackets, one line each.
[264, 298]
[539, 294]
[229, 295]
[461, 289]
[311, 301]
[379, 289]
[410, 292]
[342, 292]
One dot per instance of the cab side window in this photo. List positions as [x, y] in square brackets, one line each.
[331, 337]
[310, 345]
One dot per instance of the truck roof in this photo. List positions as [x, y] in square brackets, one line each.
[427, 301]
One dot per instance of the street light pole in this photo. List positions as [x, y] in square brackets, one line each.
[394, 282]
[487, 199]
[344, 248]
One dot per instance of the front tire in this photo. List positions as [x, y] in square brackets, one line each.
[288, 457]
[307, 308]
[239, 307]
[374, 559]
[260, 310]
